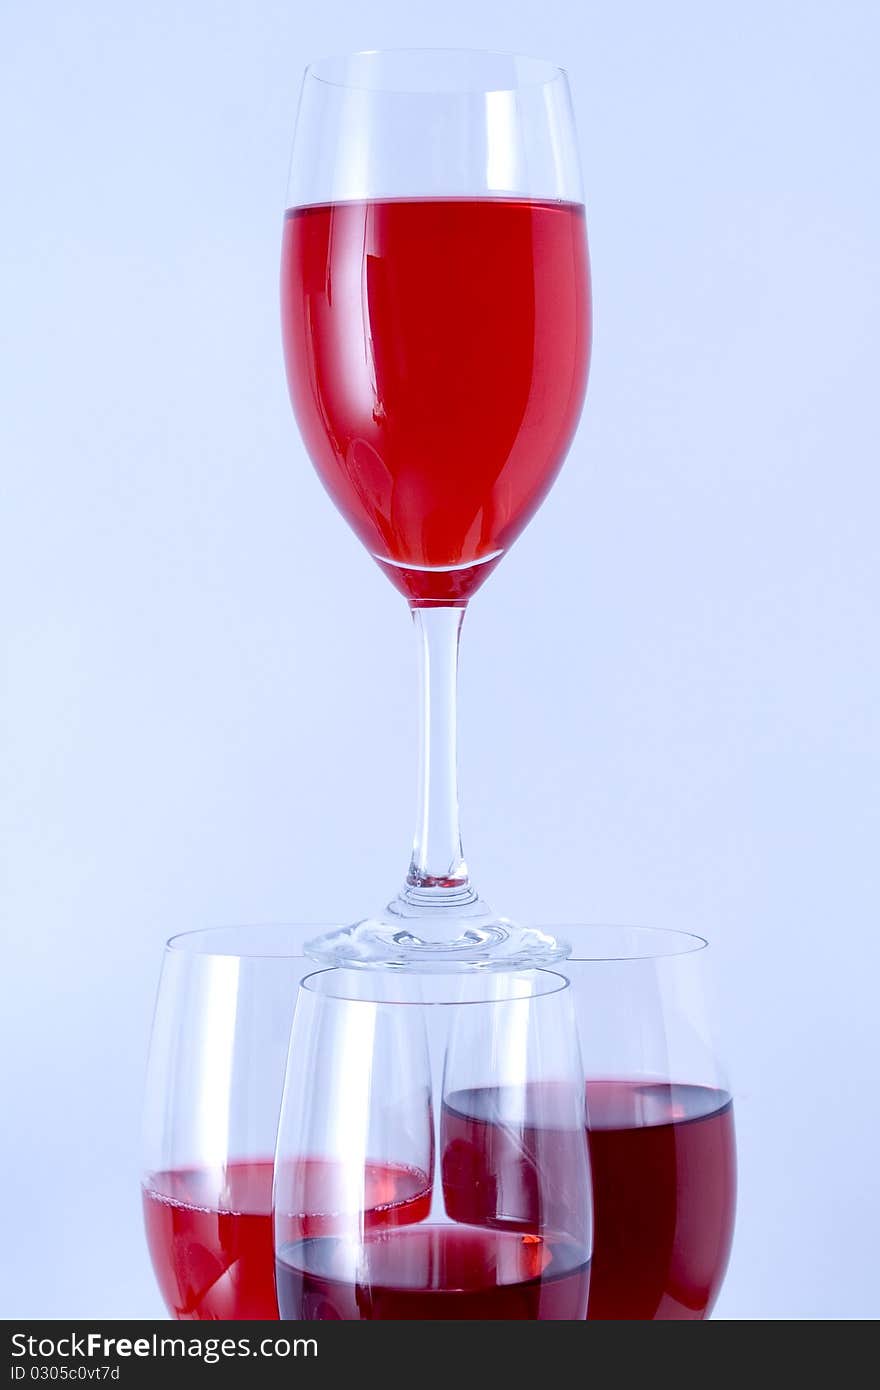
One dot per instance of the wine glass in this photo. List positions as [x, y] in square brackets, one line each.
[214, 1082]
[436, 321]
[660, 1123]
[377, 1062]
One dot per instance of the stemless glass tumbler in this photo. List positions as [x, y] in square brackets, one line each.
[431, 1156]
[214, 1082]
[435, 297]
[660, 1123]
[444, 1137]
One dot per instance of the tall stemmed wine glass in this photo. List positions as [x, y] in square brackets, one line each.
[436, 320]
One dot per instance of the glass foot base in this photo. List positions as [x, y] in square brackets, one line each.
[438, 930]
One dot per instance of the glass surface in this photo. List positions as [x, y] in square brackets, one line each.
[214, 1082]
[660, 1123]
[435, 298]
[456, 1105]
[378, 1065]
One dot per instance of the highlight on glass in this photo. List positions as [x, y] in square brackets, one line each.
[435, 295]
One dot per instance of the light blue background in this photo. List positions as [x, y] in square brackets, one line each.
[670, 687]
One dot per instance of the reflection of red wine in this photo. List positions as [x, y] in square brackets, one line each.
[515, 1162]
[664, 1183]
[437, 354]
[210, 1230]
[433, 1272]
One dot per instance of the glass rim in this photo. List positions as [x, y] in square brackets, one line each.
[560, 985]
[549, 71]
[261, 941]
[272, 941]
[646, 943]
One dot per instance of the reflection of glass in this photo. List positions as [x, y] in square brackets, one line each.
[371, 1057]
[660, 1120]
[436, 316]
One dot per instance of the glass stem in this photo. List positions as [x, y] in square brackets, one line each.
[438, 872]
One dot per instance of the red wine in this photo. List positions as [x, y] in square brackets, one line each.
[437, 354]
[663, 1162]
[664, 1186]
[433, 1272]
[212, 1249]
